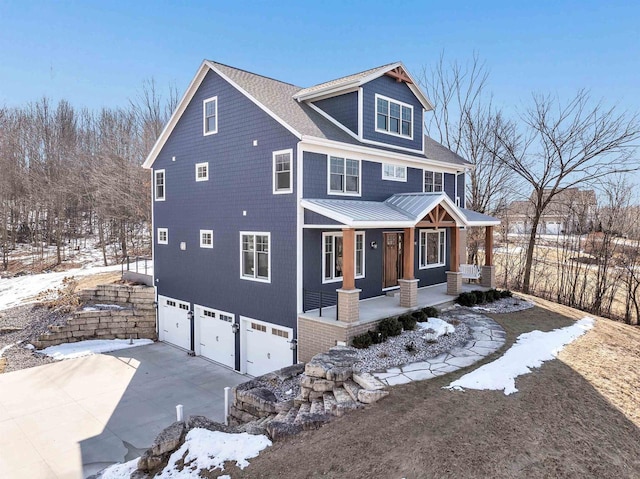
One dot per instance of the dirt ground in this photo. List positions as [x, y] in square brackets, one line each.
[571, 418]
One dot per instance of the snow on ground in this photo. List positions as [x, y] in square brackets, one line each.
[529, 351]
[91, 346]
[24, 289]
[207, 450]
[438, 325]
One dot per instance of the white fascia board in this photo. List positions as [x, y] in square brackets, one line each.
[182, 106]
[345, 220]
[254, 100]
[484, 223]
[330, 93]
[449, 206]
[324, 146]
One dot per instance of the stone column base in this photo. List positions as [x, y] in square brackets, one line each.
[488, 277]
[408, 292]
[454, 283]
[348, 305]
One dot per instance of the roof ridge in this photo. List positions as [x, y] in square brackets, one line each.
[255, 74]
[356, 73]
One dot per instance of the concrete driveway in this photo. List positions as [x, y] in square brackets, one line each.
[72, 418]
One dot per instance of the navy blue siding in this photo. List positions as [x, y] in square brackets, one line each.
[371, 284]
[374, 188]
[240, 179]
[388, 87]
[450, 186]
[343, 108]
[313, 218]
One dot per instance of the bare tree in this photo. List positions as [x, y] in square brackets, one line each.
[566, 145]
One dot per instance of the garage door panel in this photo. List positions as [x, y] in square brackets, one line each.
[173, 322]
[215, 338]
[267, 346]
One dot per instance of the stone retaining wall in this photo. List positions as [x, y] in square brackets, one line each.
[136, 320]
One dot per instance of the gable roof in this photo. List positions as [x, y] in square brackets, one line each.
[356, 80]
[402, 210]
[276, 98]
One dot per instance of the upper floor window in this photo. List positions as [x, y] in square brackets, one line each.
[332, 256]
[282, 171]
[159, 185]
[433, 181]
[202, 171]
[255, 256]
[163, 236]
[432, 248]
[206, 238]
[344, 176]
[210, 114]
[394, 117]
[394, 172]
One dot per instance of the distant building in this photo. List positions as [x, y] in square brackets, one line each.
[571, 211]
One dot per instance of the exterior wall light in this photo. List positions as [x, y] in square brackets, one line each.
[235, 328]
[374, 245]
[293, 344]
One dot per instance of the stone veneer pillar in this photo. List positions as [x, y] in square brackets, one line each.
[348, 305]
[488, 277]
[454, 283]
[408, 292]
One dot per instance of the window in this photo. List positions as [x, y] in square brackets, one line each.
[344, 176]
[210, 113]
[394, 172]
[184, 306]
[202, 171]
[280, 333]
[332, 256]
[433, 181]
[206, 238]
[282, 171]
[163, 236]
[259, 327]
[211, 314]
[394, 117]
[171, 303]
[432, 248]
[255, 258]
[159, 185]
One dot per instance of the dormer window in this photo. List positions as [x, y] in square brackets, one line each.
[433, 181]
[394, 117]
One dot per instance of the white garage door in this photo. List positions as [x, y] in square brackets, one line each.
[265, 346]
[554, 227]
[215, 339]
[173, 322]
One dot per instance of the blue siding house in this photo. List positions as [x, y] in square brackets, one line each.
[271, 201]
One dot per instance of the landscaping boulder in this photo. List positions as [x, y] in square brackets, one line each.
[169, 439]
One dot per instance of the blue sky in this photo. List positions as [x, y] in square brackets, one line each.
[98, 54]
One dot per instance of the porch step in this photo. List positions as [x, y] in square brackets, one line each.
[352, 388]
[303, 412]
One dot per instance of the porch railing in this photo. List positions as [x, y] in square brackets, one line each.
[318, 300]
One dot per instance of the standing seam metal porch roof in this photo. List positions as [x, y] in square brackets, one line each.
[401, 210]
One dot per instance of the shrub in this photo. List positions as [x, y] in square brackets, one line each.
[430, 312]
[418, 316]
[361, 341]
[390, 327]
[376, 337]
[466, 299]
[408, 322]
[480, 296]
[410, 347]
[492, 295]
[505, 293]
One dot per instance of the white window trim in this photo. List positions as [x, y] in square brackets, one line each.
[256, 233]
[276, 191]
[162, 230]
[344, 193]
[204, 116]
[155, 188]
[386, 132]
[395, 169]
[443, 260]
[206, 165]
[204, 245]
[424, 172]
[364, 254]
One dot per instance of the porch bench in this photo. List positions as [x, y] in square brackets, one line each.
[470, 271]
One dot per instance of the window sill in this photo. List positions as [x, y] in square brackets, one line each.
[256, 280]
[432, 266]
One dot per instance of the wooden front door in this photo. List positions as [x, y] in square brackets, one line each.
[392, 259]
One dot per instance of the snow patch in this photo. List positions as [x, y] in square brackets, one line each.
[438, 325]
[119, 471]
[91, 346]
[529, 351]
[210, 450]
